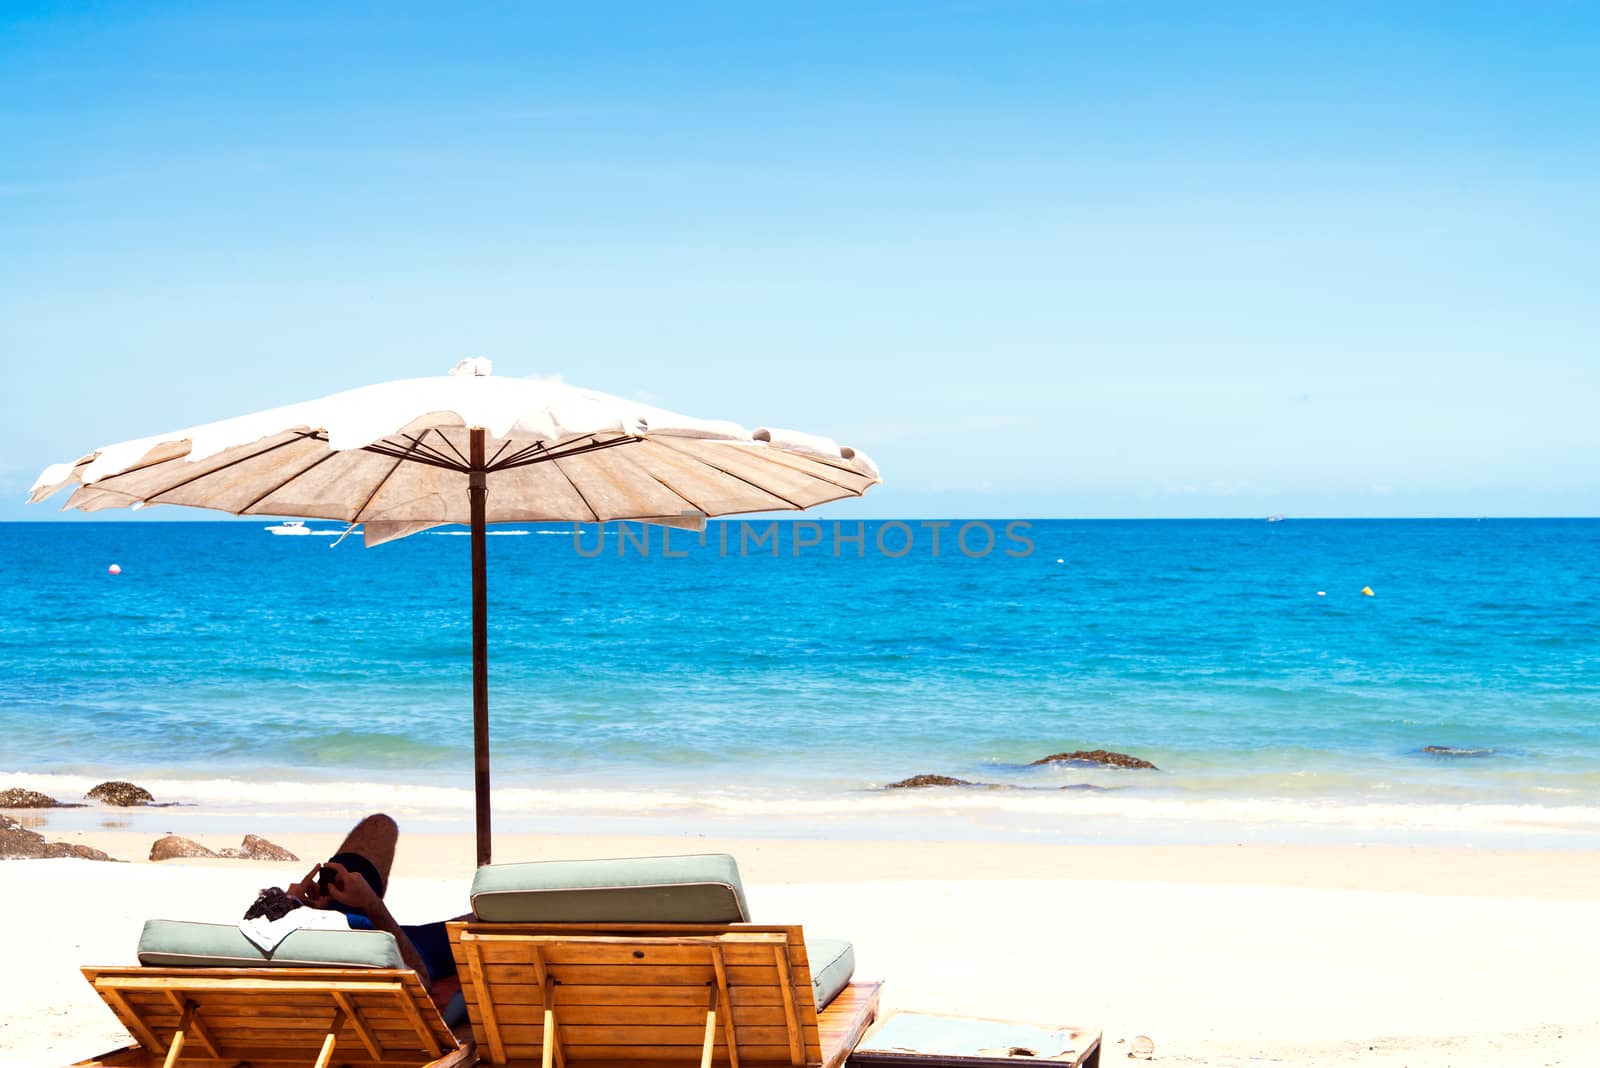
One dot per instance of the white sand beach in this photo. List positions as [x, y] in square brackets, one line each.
[1223, 955]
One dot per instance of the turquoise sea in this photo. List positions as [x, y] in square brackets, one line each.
[755, 681]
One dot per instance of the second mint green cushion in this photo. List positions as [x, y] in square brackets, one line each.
[703, 888]
[833, 962]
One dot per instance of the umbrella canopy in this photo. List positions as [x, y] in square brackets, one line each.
[470, 448]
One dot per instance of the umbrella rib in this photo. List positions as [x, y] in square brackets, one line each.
[820, 478]
[495, 463]
[542, 455]
[581, 497]
[670, 488]
[504, 445]
[383, 447]
[746, 481]
[448, 444]
[377, 486]
[414, 454]
[206, 474]
[420, 444]
[305, 470]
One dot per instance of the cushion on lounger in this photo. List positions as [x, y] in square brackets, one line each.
[695, 889]
[833, 962]
[178, 943]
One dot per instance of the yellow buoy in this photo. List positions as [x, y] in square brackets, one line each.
[1366, 591]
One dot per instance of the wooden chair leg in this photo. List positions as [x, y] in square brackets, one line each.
[177, 1036]
[327, 1043]
[173, 1050]
[547, 1042]
[711, 1030]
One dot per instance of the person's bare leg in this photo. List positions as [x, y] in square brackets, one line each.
[374, 838]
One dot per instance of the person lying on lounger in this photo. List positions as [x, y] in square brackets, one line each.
[353, 881]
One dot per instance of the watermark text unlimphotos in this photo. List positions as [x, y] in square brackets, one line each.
[894, 538]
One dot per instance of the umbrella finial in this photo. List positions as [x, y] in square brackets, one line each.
[473, 367]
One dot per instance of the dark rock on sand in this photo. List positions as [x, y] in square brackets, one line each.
[174, 846]
[1455, 751]
[82, 852]
[19, 843]
[254, 847]
[927, 780]
[16, 797]
[257, 848]
[1089, 786]
[1102, 757]
[124, 794]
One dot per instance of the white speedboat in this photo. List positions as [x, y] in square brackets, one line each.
[298, 526]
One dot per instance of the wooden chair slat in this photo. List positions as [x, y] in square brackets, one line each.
[560, 952]
[641, 973]
[484, 1025]
[195, 980]
[751, 1055]
[719, 962]
[140, 1057]
[671, 1015]
[797, 1049]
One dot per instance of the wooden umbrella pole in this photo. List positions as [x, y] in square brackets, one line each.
[478, 492]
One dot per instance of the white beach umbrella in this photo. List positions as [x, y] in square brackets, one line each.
[470, 448]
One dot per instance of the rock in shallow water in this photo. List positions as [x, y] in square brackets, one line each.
[927, 780]
[173, 846]
[1096, 756]
[124, 794]
[16, 797]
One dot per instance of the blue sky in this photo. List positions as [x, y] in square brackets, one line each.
[1054, 259]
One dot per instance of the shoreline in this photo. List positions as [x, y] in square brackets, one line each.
[1224, 955]
[1062, 817]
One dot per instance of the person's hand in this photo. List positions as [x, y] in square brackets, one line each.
[350, 888]
[308, 891]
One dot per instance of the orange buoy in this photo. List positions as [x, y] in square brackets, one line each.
[1366, 591]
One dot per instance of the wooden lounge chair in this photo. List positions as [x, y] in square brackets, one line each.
[274, 1016]
[602, 993]
[597, 996]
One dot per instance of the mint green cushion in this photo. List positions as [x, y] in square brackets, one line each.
[703, 888]
[833, 962]
[179, 943]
